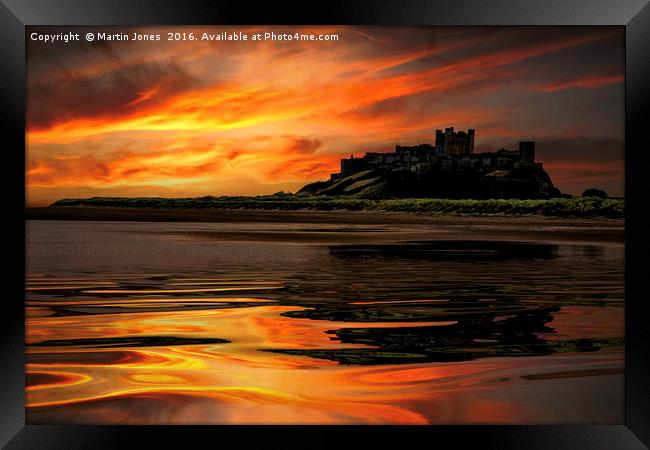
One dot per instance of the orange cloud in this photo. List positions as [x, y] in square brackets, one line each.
[145, 95]
[187, 161]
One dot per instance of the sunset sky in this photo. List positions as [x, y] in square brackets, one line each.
[197, 118]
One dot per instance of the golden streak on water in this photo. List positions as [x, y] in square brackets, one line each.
[55, 288]
[65, 379]
[151, 301]
[387, 302]
[238, 383]
[227, 283]
[76, 282]
[173, 291]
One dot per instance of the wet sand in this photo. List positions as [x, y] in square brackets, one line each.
[603, 230]
[449, 320]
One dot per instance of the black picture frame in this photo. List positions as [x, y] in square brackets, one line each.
[634, 15]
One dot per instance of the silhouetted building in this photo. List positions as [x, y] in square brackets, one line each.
[352, 165]
[453, 152]
[454, 143]
[527, 152]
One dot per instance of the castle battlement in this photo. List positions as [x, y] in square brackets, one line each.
[452, 152]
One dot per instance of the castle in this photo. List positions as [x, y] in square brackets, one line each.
[452, 152]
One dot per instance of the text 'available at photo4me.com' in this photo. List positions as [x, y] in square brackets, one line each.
[103, 36]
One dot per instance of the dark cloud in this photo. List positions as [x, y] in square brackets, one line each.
[111, 93]
[580, 149]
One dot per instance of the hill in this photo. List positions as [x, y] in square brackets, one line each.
[525, 182]
[578, 207]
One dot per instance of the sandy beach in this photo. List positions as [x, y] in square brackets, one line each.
[322, 317]
[522, 227]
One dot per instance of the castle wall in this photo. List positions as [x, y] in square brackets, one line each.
[452, 151]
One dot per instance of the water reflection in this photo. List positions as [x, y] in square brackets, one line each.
[179, 323]
[449, 250]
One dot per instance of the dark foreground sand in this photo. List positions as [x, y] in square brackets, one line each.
[608, 230]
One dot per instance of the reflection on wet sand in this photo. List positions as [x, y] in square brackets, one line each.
[250, 388]
[184, 328]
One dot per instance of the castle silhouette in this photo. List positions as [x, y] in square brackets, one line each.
[452, 152]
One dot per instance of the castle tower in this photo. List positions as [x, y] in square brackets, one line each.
[454, 143]
[440, 138]
[470, 133]
[527, 152]
[449, 135]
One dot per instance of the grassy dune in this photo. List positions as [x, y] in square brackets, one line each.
[557, 207]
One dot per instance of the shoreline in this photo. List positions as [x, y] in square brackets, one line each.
[493, 227]
[147, 214]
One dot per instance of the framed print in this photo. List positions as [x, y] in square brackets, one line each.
[383, 222]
